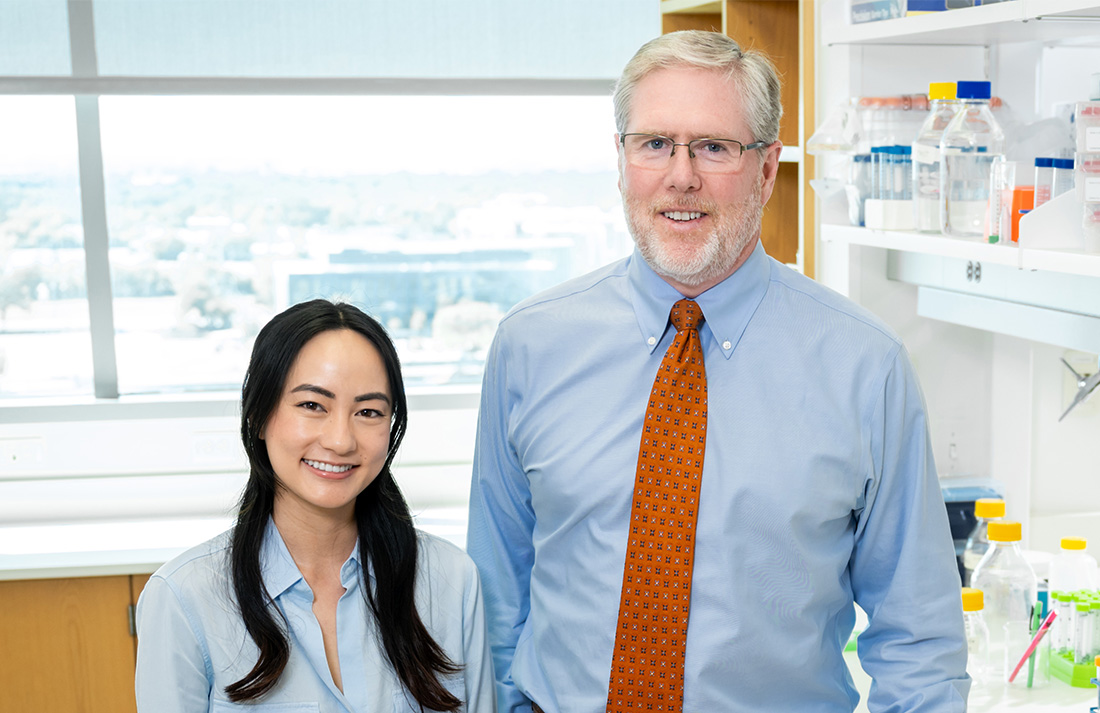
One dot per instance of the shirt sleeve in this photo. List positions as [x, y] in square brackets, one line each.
[501, 524]
[480, 685]
[172, 671]
[903, 567]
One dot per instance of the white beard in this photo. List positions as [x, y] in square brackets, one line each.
[701, 260]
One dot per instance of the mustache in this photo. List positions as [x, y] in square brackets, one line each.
[686, 204]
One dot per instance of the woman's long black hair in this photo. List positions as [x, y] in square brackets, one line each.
[387, 540]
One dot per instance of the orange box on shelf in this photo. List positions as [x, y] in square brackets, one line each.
[1023, 198]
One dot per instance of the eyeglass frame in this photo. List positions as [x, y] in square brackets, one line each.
[691, 154]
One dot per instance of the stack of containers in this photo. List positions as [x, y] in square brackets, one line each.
[1087, 162]
[889, 125]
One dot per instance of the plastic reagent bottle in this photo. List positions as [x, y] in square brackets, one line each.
[977, 544]
[1010, 588]
[926, 157]
[970, 143]
[1073, 569]
[977, 635]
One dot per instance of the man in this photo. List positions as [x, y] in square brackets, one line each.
[817, 488]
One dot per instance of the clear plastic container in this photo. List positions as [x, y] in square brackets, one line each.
[858, 187]
[903, 173]
[1095, 613]
[1002, 190]
[986, 510]
[1062, 176]
[1059, 602]
[1082, 645]
[1009, 586]
[882, 180]
[926, 157]
[1044, 180]
[970, 144]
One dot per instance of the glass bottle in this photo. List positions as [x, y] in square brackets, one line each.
[926, 157]
[970, 143]
[986, 510]
[1009, 586]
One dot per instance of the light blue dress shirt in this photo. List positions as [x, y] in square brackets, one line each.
[192, 641]
[818, 491]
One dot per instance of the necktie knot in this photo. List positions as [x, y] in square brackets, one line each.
[686, 315]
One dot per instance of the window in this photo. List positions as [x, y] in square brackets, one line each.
[435, 214]
[45, 346]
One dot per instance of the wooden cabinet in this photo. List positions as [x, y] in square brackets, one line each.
[784, 30]
[66, 646]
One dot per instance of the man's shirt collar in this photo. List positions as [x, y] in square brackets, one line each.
[728, 306]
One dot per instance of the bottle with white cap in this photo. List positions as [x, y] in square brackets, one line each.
[986, 510]
[1009, 586]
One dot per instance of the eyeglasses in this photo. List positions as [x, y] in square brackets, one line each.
[710, 155]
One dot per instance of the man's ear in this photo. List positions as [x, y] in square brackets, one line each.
[770, 170]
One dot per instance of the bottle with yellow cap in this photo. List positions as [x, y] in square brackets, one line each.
[1072, 569]
[977, 636]
[1009, 586]
[986, 510]
[926, 156]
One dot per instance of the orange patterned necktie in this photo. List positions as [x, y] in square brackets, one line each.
[647, 666]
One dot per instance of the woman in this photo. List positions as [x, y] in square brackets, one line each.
[277, 613]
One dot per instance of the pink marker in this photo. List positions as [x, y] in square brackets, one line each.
[1034, 642]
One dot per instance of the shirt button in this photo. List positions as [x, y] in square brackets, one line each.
[653, 340]
[726, 345]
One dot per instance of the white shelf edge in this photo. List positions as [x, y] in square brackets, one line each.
[928, 24]
[918, 243]
[1060, 261]
[1018, 20]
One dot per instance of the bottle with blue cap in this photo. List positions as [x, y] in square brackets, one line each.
[970, 144]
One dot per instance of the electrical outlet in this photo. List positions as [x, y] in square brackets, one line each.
[1084, 364]
[17, 454]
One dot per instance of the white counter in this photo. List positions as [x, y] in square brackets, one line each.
[91, 549]
[1054, 697]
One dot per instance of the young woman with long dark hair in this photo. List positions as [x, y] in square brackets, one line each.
[323, 597]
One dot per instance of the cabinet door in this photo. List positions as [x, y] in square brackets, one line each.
[65, 646]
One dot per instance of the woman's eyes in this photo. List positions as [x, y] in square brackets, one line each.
[366, 412]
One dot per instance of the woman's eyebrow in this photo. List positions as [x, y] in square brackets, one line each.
[373, 396]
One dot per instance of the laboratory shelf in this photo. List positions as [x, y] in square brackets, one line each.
[1057, 261]
[1003, 22]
